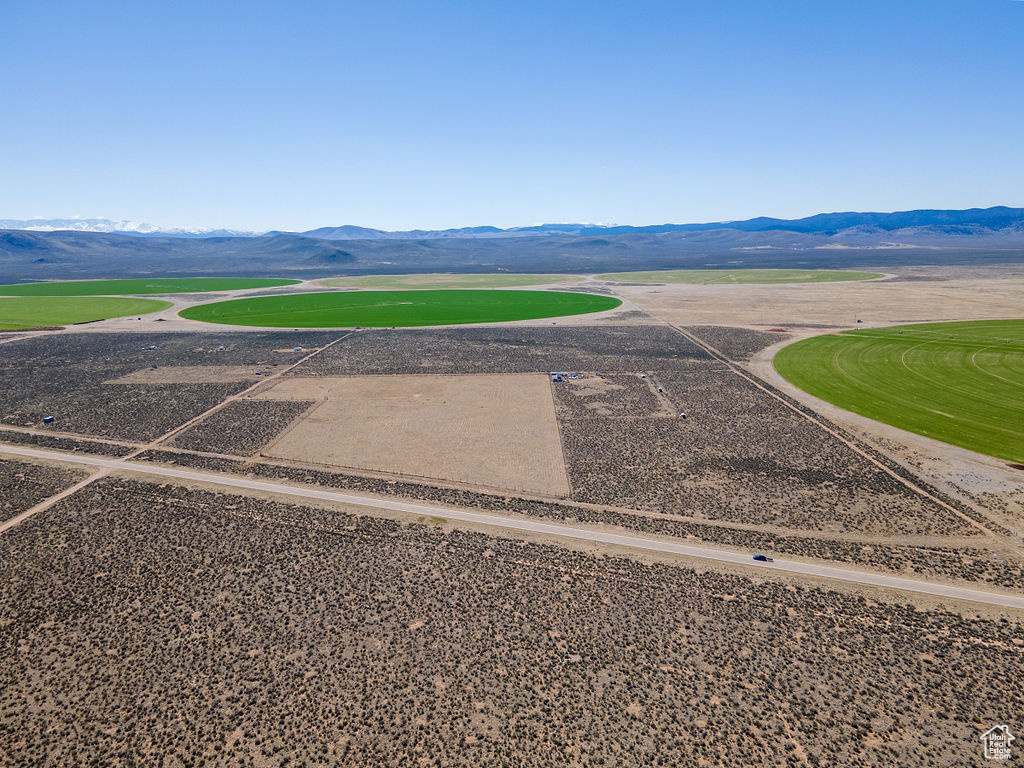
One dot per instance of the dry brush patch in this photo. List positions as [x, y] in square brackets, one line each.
[738, 456]
[24, 484]
[181, 627]
[969, 510]
[242, 427]
[505, 350]
[63, 443]
[66, 376]
[737, 343]
[958, 564]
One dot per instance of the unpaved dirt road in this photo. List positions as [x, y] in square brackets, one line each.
[1000, 599]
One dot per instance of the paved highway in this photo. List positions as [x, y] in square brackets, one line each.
[850, 575]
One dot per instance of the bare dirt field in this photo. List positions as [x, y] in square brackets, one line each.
[495, 431]
[916, 295]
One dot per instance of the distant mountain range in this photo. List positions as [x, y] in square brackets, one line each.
[109, 226]
[962, 222]
[969, 221]
[830, 240]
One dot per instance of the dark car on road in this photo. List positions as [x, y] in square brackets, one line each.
[763, 559]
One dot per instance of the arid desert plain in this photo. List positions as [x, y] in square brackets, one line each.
[500, 544]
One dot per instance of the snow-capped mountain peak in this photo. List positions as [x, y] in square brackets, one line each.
[124, 227]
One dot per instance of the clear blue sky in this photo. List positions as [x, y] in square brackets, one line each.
[421, 114]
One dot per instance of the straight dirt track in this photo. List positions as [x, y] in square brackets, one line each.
[518, 524]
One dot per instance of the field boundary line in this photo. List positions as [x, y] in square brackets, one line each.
[561, 443]
[756, 381]
[310, 410]
[5, 339]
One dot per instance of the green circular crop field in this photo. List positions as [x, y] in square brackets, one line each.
[385, 309]
[962, 383]
[141, 287]
[739, 276]
[47, 311]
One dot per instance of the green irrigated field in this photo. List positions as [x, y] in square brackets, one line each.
[447, 280]
[385, 309]
[44, 311]
[141, 287]
[962, 383]
[738, 276]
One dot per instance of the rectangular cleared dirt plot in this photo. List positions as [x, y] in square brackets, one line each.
[498, 431]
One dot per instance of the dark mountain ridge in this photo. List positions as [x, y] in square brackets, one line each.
[967, 221]
[836, 240]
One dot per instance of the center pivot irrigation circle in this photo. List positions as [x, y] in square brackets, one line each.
[386, 309]
[961, 383]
